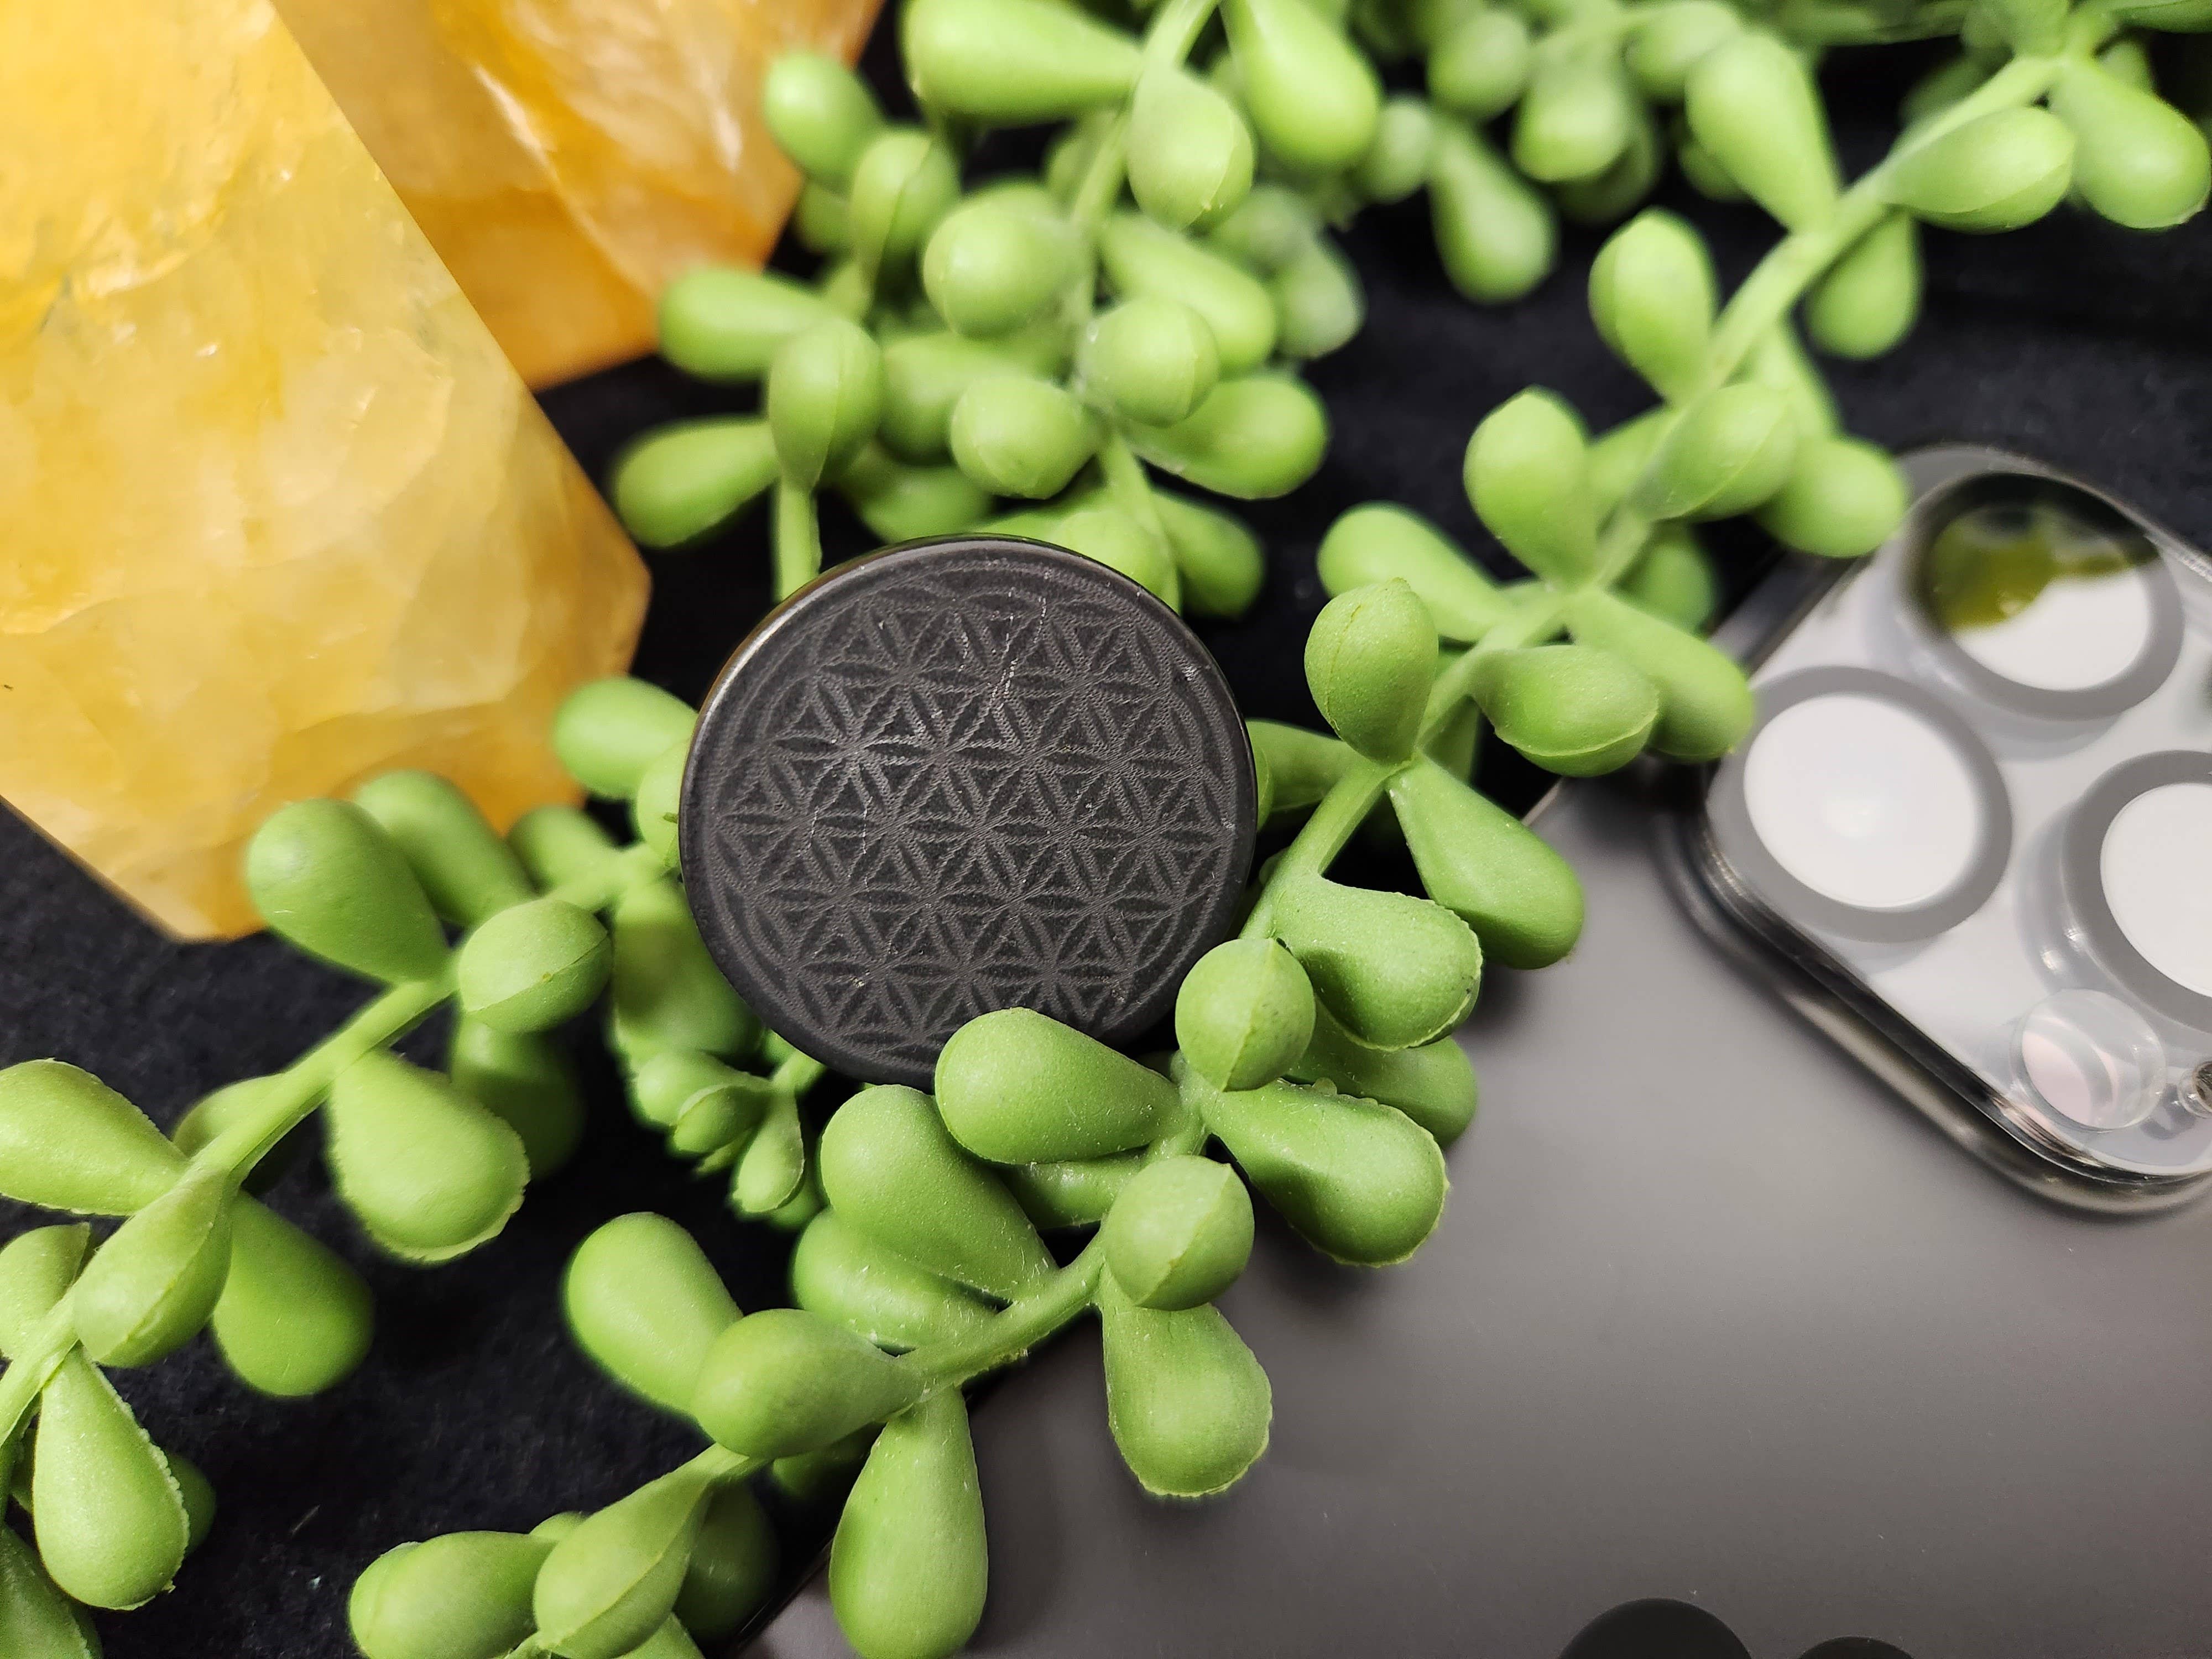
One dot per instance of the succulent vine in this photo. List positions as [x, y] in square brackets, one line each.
[1038, 355]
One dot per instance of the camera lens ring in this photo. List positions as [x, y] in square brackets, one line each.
[2082, 880]
[1738, 840]
[2154, 662]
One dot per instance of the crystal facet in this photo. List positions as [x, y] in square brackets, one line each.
[282, 516]
[567, 157]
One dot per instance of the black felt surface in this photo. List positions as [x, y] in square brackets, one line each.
[2084, 345]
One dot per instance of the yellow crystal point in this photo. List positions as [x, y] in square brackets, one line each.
[280, 514]
[567, 157]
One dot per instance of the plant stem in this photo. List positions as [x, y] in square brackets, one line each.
[287, 1098]
[1125, 480]
[1174, 31]
[1017, 1327]
[31, 1368]
[1336, 819]
[797, 1073]
[798, 538]
[291, 1095]
[1799, 259]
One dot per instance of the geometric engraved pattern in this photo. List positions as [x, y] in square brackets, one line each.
[970, 774]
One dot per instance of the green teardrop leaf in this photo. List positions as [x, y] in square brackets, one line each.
[839, 1273]
[1496, 235]
[527, 1083]
[609, 1584]
[1360, 1180]
[1370, 658]
[1380, 541]
[1755, 111]
[1570, 709]
[2137, 159]
[892, 1170]
[467, 871]
[152, 1286]
[294, 1318]
[734, 1566]
[1253, 438]
[1016, 1087]
[642, 1300]
[1141, 258]
[1523, 900]
[325, 876]
[1998, 171]
[1189, 1406]
[1180, 1233]
[608, 732]
[464, 1596]
[1706, 706]
[1010, 62]
[70, 1142]
[784, 1381]
[1433, 1083]
[667, 992]
[1527, 477]
[1398, 970]
[111, 1523]
[36, 1619]
[430, 1173]
[1869, 299]
[908, 1566]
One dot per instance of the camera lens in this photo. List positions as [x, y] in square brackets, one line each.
[2197, 1090]
[2042, 602]
[2153, 864]
[1863, 805]
[2132, 902]
[1863, 800]
[2091, 1058]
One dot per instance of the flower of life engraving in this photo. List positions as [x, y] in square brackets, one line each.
[959, 776]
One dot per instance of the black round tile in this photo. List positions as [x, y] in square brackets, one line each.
[959, 775]
[1657, 1629]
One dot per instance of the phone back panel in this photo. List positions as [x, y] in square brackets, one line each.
[1711, 1316]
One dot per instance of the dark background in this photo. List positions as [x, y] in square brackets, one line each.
[2084, 345]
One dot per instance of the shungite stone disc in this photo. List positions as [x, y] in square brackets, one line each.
[958, 775]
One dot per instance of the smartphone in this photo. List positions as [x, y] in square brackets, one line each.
[1722, 1350]
[1974, 823]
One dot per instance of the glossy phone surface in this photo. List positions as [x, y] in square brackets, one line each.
[1712, 1316]
[1977, 810]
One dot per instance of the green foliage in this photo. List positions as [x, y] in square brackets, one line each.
[1245, 1012]
[1189, 1405]
[1016, 1087]
[533, 966]
[327, 876]
[640, 1299]
[908, 1569]
[465, 1596]
[1370, 658]
[294, 1318]
[1137, 312]
[686, 480]
[1179, 1234]
[892, 1169]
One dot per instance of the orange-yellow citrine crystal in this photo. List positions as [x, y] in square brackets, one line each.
[567, 157]
[279, 515]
